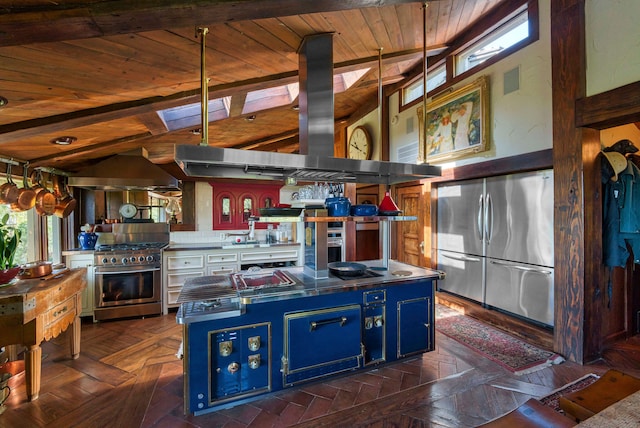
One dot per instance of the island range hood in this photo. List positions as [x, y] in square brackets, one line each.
[125, 171]
[316, 121]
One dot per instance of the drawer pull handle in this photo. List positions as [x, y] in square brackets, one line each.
[61, 311]
[315, 324]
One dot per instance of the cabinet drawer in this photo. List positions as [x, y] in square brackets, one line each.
[222, 269]
[61, 311]
[269, 256]
[178, 279]
[222, 258]
[185, 262]
[172, 297]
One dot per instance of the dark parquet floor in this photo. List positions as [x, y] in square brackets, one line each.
[128, 375]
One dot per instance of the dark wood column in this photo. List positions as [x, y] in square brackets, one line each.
[577, 204]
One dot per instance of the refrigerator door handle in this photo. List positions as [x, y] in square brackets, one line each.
[488, 219]
[523, 268]
[460, 258]
[480, 210]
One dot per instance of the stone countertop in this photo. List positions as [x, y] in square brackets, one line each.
[234, 301]
[76, 251]
[226, 246]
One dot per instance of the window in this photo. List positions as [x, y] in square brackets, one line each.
[414, 91]
[504, 37]
[19, 220]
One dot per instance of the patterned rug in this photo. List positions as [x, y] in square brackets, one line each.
[510, 352]
[551, 400]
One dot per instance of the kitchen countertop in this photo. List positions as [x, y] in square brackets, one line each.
[231, 302]
[226, 246]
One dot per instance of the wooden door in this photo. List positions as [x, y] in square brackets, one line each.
[413, 238]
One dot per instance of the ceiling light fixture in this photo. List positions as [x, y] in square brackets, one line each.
[3, 101]
[250, 118]
[63, 141]
[196, 131]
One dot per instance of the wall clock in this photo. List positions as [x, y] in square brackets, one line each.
[359, 144]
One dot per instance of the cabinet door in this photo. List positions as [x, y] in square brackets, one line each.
[248, 208]
[415, 327]
[224, 207]
[74, 262]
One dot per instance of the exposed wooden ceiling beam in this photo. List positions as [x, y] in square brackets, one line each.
[54, 22]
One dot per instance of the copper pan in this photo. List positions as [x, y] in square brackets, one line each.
[35, 269]
[26, 195]
[9, 190]
[65, 202]
[45, 200]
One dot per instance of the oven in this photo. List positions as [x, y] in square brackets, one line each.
[128, 274]
[335, 242]
[127, 284]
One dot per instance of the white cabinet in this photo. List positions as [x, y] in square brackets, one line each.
[221, 263]
[265, 257]
[74, 261]
[178, 266]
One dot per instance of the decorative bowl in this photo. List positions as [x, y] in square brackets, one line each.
[7, 275]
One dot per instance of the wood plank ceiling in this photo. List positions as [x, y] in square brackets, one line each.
[101, 71]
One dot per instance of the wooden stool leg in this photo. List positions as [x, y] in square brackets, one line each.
[32, 367]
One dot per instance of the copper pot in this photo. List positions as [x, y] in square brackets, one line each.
[35, 269]
[9, 190]
[26, 195]
[65, 202]
[45, 200]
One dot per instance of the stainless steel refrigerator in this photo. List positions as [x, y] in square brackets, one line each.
[495, 242]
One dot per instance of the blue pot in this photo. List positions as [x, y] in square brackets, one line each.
[338, 207]
[87, 240]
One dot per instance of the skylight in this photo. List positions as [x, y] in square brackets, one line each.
[189, 115]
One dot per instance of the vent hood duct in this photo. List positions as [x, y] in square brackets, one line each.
[316, 121]
[126, 171]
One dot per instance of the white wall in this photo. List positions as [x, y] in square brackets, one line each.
[613, 44]
[520, 121]
[370, 122]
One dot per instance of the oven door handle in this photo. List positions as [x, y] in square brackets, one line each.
[117, 272]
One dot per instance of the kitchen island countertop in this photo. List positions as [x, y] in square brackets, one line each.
[233, 301]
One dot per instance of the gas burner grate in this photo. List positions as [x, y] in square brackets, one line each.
[132, 246]
[367, 274]
[206, 288]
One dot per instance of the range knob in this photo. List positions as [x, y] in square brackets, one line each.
[113, 259]
[125, 260]
[150, 258]
[104, 260]
[141, 259]
[132, 259]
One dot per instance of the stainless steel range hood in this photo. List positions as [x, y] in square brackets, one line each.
[126, 171]
[316, 121]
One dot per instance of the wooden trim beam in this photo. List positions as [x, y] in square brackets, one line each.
[55, 23]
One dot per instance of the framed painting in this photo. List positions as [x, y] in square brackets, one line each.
[456, 124]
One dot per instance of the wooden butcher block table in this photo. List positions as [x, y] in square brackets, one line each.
[34, 310]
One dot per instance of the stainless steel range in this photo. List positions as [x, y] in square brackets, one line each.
[127, 274]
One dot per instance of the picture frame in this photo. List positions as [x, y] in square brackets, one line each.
[456, 124]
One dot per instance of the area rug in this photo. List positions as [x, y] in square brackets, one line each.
[510, 352]
[552, 399]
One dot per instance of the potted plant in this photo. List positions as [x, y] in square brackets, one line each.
[9, 241]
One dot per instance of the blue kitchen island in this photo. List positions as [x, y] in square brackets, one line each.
[252, 333]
